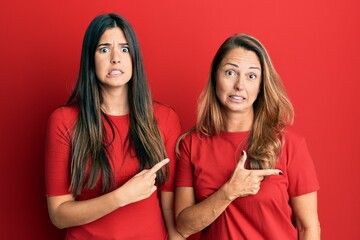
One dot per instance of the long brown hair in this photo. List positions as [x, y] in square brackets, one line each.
[272, 108]
[89, 145]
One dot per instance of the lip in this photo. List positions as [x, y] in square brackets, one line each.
[114, 72]
[237, 98]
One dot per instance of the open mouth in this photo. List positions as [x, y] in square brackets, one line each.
[115, 72]
[237, 98]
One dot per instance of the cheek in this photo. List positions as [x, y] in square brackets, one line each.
[255, 92]
[98, 72]
[217, 93]
[220, 94]
[97, 64]
[129, 63]
[218, 90]
[221, 88]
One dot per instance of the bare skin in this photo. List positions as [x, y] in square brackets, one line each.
[306, 217]
[65, 211]
[192, 217]
[238, 83]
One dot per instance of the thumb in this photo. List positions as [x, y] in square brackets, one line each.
[241, 163]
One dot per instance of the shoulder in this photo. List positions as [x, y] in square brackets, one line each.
[291, 135]
[64, 114]
[164, 114]
[293, 141]
[192, 136]
[193, 141]
[162, 110]
[61, 123]
[167, 120]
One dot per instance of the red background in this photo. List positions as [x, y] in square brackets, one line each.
[314, 46]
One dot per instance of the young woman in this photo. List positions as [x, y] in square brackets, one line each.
[242, 173]
[110, 151]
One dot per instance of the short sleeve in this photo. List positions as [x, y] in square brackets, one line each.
[300, 167]
[57, 153]
[184, 172]
[170, 127]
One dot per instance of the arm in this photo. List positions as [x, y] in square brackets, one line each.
[192, 217]
[167, 205]
[171, 131]
[306, 217]
[65, 211]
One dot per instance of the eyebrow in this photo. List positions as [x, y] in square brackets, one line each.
[109, 44]
[237, 66]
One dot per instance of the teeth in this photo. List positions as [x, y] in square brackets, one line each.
[115, 72]
[237, 97]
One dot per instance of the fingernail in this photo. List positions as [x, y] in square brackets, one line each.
[280, 173]
[242, 153]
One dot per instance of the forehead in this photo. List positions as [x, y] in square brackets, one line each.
[241, 56]
[112, 34]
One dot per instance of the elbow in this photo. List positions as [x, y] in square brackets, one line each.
[59, 226]
[60, 211]
[184, 230]
[57, 223]
[181, 230]
[314, 232]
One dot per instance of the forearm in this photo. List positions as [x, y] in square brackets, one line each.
[167, 205]
[68, 213]
[197, 217]
[64, 211]
[306, 217]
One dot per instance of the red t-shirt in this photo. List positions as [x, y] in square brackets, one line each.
[139, 220]
[206, 163]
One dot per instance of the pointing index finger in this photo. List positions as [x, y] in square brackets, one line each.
[268, 172]
[158, 166]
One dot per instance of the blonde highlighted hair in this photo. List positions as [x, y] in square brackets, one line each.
[272, 108]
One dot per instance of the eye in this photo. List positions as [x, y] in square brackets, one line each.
[252, 76]
[230, 72]
[104, 50]
[125, 49]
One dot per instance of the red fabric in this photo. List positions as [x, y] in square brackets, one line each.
[140, 220]
[206, 163]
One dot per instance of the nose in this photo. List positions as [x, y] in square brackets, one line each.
[239, 83]
[115, 57]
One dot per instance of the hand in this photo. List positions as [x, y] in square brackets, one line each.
[245, 182]
[142, 185]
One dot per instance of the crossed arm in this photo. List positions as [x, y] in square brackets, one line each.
[65, 212]
[192, 217]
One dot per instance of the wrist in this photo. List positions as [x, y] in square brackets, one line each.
[119, 198]
[226, 192]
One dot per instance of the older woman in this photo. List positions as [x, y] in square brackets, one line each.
[242, 172]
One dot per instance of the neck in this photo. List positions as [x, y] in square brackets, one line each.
[115, 102]
[238, 122]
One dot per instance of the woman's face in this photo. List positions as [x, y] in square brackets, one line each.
[238, 80]
[113, 64]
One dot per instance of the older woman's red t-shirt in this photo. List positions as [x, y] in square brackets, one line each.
[206, 163]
